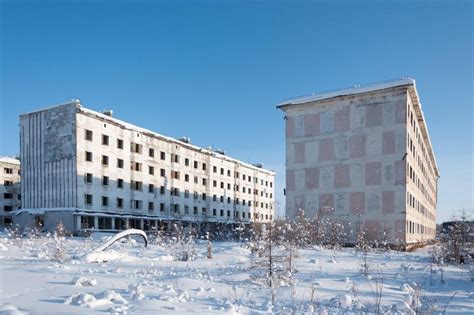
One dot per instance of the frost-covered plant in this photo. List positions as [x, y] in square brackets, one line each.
[184, 247]
[60, 254]
[363, 246]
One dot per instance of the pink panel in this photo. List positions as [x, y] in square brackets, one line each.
[373, 115]
[342, 120]
[357, 202]
[299, 152]
[388, 142]
[388, 201]
[400, 170]
[311, 176]
[326, 202]
[357, 146]
[290, 180]
[374, 229]
[373, 173]
[290, 127]
[401, 112]
[311, 125]
[326, 150]
[342, 176]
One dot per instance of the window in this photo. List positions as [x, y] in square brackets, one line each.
[186, 162]
[243, 176]
[105, 160]
[105, 140]
[119, 163]
[105, 201]
[174, 158]
[196, 164]
[195, 210]
[196, 179]
[204, 211]
[119, 144]
[186, 194]
[151, 170]
[203, 166]
[151, 152]
[228, 186]
[228, 173]
[214, 198]
[88, 134]
[162, 155]
[88, 157]
[228, 213]
[175, 174]
[214, 212]
[8, 183]
[151, 206]
[135, 204]
[214, 183]
[88, 178]
[119, 183]
[119, 203]
[222, 199]
[88, 199]
[174, 191]
[214, 169]
[135, 166]
[8, 196]
[162, 172]
[186, 209]
[203, 196]
[162, 207]
[162, 190]
[151, 188]
[186, 177]
[222, 185]
[7, 170]
[228, 199]
[222, 171]
[222, 213]
[105, 180]
[204, 182]
[196, 195]
[136, 148]
[136, 185]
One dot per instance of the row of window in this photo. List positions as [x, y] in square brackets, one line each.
[138, 185]
[418, 206]
[419, 184]
[416, 228]
[9, 170]
[174, 208]
[175, 158]
[11, 196]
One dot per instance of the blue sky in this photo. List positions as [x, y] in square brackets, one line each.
[214, 70]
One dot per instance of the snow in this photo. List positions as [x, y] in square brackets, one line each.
[347, 91]
[147, 280]
[11, 160]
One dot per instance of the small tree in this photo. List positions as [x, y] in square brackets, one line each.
[363, 246]
[59, 239]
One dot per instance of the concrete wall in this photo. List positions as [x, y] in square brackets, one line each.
[345, 157]
[47, 153]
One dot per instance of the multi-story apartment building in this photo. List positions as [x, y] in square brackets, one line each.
[90, 170]
[363, 156]
[9, 188]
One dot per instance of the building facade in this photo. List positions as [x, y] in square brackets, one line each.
[363, 157]
[10, 195]
[92, 171]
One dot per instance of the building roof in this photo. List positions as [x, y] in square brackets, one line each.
[9, 159]
[358, 89]
[409, 83]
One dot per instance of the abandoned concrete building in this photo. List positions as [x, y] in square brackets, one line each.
[9, 188]
[363, 157]
[92, 171]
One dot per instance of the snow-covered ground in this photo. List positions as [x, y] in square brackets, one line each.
[139, 280]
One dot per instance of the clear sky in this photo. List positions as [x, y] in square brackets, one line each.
[214, 70]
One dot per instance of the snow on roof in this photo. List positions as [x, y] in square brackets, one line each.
[358, 89]
[8, 159]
